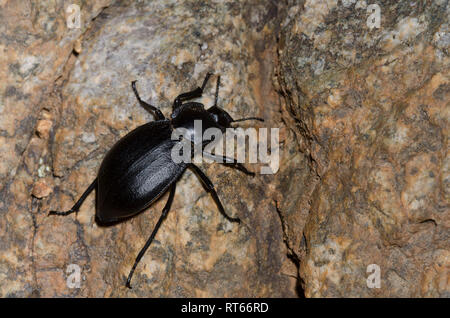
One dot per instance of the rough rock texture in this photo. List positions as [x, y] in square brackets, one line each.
[168, 47]
[364, 169]
[370, 107]
[35, 45]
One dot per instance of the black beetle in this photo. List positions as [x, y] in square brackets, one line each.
[139, 169]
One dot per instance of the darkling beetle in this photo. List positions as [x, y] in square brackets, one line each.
[139, 169]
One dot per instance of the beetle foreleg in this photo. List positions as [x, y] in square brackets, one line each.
[192, 94]
[80, 201]
[210, 188]
[158, 113]
[164, 213]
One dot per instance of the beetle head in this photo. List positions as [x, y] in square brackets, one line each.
[221, 117]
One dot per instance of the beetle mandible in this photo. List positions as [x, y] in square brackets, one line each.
[139, 169]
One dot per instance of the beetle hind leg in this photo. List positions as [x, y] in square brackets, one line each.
[164, 213]
[80, 201]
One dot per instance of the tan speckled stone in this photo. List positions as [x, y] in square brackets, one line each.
[371, 110]
[364, 171]
[168, 48]
[41, 189]
[43, 128]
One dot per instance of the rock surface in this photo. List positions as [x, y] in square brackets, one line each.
[35, 45]
[364, 168]
[370, 107]
[168, 48]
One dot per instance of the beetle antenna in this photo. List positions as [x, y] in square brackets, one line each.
[248, 118]
[216, 96]
[208, 75]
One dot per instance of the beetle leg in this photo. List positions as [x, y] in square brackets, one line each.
[148, 107]
[231, 162]
[80, 201]
[192, 94]
[210, 188]
[164, 213]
